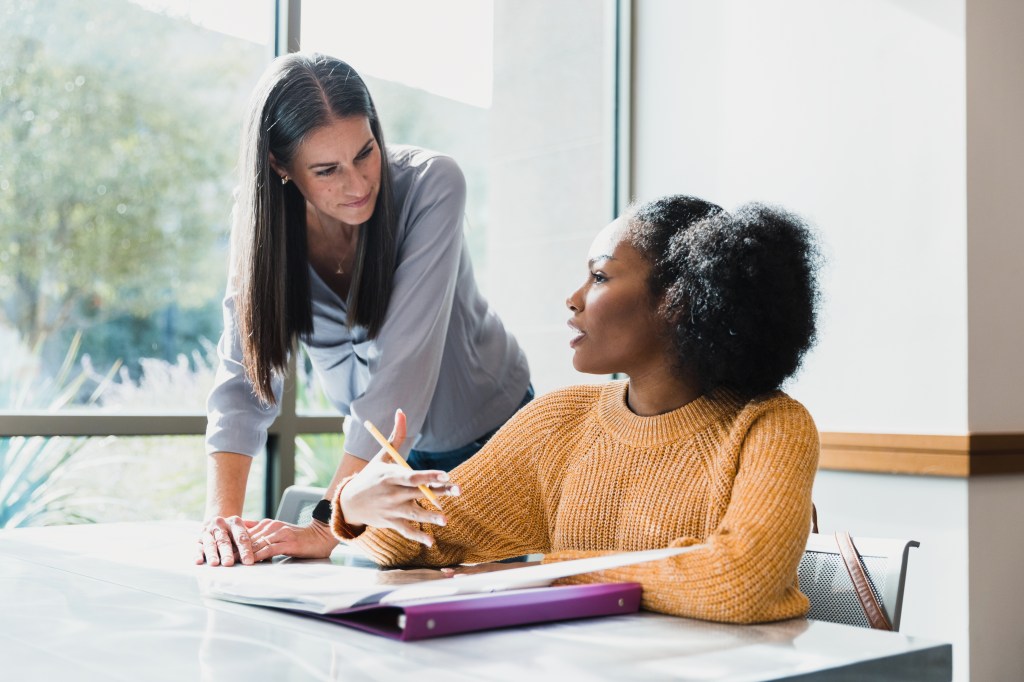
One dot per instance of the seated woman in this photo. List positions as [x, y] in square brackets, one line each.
[707, 314]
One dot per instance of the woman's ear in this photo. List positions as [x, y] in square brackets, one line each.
[278, 168]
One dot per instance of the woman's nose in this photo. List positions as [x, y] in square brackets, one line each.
[356, 184]
[572, 303]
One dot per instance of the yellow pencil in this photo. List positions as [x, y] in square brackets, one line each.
[386, 444]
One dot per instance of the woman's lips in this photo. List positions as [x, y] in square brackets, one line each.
[360, 203]
[577, 336]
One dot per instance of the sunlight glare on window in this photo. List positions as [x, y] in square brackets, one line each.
[222, 17]
[445, 48]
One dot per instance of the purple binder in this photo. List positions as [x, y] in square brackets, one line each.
[469, 613]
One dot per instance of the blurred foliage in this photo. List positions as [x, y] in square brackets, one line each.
[77, 479]
[317, 458]
[118, 127]
[34, 470]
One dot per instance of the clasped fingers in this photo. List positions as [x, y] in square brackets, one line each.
[406, 521]
[412, 481]
[437, 481]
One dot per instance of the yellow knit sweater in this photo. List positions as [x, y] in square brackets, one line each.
[575, 474]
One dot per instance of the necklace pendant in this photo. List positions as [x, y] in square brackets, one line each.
[340, 270]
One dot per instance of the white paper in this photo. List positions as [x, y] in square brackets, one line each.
[527, 576]
[313, 587]
[328, 588]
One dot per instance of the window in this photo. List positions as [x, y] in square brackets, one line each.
[119, 123]
[119, 127]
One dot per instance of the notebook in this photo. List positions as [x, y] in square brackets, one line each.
[363, 598]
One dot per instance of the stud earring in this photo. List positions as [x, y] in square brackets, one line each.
[284, 179]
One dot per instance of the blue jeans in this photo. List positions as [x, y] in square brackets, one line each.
[446, 461]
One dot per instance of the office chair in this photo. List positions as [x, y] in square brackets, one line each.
[297, 504]
[825, 580]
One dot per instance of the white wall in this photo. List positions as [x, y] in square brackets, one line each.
[850, 113]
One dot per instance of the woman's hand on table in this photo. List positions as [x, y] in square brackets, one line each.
[271, 538]
[225, 540]
[384, 494]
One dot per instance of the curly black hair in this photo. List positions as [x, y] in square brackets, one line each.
[739, 291]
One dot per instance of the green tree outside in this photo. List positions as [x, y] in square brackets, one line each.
[118, 132]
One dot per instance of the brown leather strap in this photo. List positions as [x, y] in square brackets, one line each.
[814, 518]
[872, 609]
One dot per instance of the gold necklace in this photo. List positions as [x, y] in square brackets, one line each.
[340, 270]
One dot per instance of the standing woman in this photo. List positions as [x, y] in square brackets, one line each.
[355, 249]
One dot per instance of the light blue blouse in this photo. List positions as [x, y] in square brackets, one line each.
[442, 354]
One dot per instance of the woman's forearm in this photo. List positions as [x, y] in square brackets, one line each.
[226, 477]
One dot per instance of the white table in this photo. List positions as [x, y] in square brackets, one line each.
[121, 602]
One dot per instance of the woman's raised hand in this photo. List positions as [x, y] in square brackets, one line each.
[384, 494]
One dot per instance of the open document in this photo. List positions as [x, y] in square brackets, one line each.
[385, 602]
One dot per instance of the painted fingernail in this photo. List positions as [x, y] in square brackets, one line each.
[455, 491]
[443, 476]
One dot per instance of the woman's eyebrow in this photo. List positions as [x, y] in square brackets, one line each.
[600, 258]
[324, 164]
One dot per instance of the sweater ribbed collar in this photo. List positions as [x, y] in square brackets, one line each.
[615, 416]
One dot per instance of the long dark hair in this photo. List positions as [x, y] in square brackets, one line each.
[296, 95]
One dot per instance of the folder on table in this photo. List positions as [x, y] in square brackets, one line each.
[357, 597]
[421, 619]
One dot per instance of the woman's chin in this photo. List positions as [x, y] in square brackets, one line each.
[577, 364]
[581, 365]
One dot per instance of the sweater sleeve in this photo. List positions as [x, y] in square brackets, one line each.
[747, 571]
[405, 359]
[500, 512]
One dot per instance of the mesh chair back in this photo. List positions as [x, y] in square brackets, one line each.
[824, 579]
[297, 504]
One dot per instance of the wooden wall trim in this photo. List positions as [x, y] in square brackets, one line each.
[926, 455]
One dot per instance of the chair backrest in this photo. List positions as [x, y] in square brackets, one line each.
[297, 504]
[826, 582]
